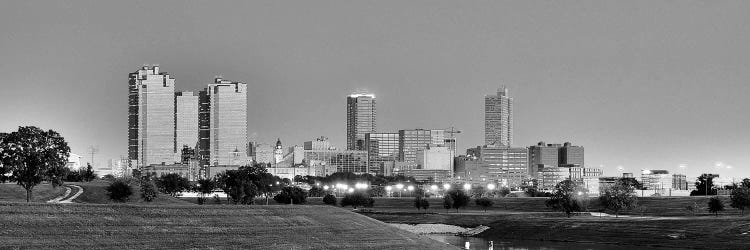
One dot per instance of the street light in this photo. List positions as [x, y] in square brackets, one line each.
[400, 188]
[388, 188]
[434, 188]
[467, 186]
[491, 186]
[351, 190]
[446, 186]
[325, 187]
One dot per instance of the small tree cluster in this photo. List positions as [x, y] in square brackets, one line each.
[291, 195]
[172, 184]
[740, 197]
[329, 199]
[619, 196]
[421, 203]
[148, 189]
[357, 199]
[119, 190]
[455, 198]
[204, 187]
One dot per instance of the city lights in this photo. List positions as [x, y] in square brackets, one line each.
[410, 188]
[491, 186]
[434, 187]
[467, 186]
[446, 186]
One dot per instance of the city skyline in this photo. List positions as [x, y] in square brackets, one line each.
[643, 86]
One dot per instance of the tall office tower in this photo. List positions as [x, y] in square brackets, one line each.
[151, 123]
[498, 118]
[360, 119]
[223, 122]
[186, 120]
[413, 140]
[571, 155]
[505, 165]
[554, 155]
[382, 152]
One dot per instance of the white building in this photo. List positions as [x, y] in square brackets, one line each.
[74, 162]
[434, 158]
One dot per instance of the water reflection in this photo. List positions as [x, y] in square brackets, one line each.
[498, 244]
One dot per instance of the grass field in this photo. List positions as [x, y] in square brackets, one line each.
[115, 226]
[95, 192]
[41, 193]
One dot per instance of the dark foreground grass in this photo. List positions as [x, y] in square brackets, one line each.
[115, 226]
[41, 193]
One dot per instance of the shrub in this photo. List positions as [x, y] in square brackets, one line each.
[715, 205]
[484, 203]
[358, 199]
[172, 184]
[148, 190]
[459, 198]
[119, 191]
[329, 199]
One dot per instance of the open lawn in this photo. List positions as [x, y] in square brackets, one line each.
[81, 226]
[41, 193]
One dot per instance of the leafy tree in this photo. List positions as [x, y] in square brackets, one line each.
[357, 199]
[740, 198]
[172, 184]
[704, 185]
[568, 197]
[329, 199]
[478, 192]
[619, 196]
[377, 191]
[459, 197]
[205, 187]
[484, 202]
[293, 195]
[119, 191]
[447, 202]
[238, 186]
[418, 202]
[88, 174]
[148, 189]
[32, 155]
[424, 204]
[504, 191]
[715, 205]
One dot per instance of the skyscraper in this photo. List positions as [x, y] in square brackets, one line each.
[151, 121]
[498, 118]
[186, 120]
[382, 151]
[413, 140]
[223, 122]
[360, 119]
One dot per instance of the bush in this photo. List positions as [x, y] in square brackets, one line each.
[293, 195]
[329, 199]
[148, 190]
[715, 205]
[119, 191]
[172, 184]
[459, 198]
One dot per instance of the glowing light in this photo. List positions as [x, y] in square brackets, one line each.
[400, 186]
[446, 186]
[351, 190]
[388, 188]
[325, 187]
[434, 187]
[410, 188]
[491, 186]
[580, 193]
[355, 95]
[467, 186]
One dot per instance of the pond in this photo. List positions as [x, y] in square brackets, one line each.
[498, 244]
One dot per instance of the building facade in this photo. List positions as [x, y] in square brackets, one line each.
[554, 155]
[151, 122]
[223, 122]
[186, 120]
[498, 118]
[382, 150]
[506, 166]
[360, 119]
[413, 140]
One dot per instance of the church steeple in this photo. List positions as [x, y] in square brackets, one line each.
[278, 143]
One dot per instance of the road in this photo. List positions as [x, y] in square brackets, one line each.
[67, 197]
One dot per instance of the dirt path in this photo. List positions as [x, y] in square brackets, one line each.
[67, 197]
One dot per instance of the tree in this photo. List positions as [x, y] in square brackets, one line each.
[447, 202]
[418, 202]
[484, 202]
[148, 189]
[172, 184]
[291, 195]
[316, 191]
[478, 192]
[715, 205]
[32, 155]
[205, 187]
[740, 198]
[504, 191]
[238, 186]
[424, 204]
[704, 185]
[88, 174]
[119, 191]
[619, 196]
[357, 199]
[568, 197]
[459, 197]
[329, 199]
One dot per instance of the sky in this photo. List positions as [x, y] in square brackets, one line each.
[640, 84]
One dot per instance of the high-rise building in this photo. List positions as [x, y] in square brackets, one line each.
[382, 151]
[223, 122]
[413, 140]
[571, 155]
[360, 119]
[186, 120]
[498, 118]
[151, 120]
[320, 143]
[554, 155]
